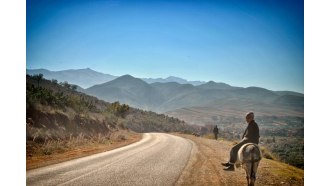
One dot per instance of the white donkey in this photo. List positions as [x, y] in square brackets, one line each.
[249, 156]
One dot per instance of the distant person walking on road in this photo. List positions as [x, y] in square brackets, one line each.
[251, 135]
[216, 132]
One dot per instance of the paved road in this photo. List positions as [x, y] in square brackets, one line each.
[158, 159]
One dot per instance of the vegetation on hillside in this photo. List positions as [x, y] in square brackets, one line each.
[147, 121]
[58, 117]
[61, 98]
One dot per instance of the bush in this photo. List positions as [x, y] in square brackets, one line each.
[119, 110]
[266, 153]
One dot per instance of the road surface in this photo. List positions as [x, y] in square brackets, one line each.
[158, 159]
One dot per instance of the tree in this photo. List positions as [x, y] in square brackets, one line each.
[123, 110]
[119, 110]
[74, 87]
[54, 81]
[65, 84]
[38, 77]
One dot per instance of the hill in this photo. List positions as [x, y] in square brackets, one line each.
[128, 90]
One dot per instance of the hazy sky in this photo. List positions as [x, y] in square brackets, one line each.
[241, 42]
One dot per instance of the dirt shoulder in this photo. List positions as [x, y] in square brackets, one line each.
[204, 167]
[40, 160]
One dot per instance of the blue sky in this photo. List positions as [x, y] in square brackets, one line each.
[243, 43]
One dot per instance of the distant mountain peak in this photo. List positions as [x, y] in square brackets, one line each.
[127, 76]
[84, 69]
[127, 79]
[256, 88]
[172, 79]
[215, 85]
[211, 82]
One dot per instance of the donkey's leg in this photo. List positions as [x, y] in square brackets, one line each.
[254, 173]
[246, 168]
[252, 180]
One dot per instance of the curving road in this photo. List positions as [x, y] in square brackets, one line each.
[158, 159]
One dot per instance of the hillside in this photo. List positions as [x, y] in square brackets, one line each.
[59, 110]
[61, 120]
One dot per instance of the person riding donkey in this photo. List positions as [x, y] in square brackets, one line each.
[251, 135]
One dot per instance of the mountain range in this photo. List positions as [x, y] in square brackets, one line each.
[185, 101]
[164, 97]
[87, 77]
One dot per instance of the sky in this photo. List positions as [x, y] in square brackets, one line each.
[242, 43]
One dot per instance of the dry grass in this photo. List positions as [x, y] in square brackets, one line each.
[56, 151]
[267, 154]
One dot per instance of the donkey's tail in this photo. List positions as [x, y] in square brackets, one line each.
[252, 163]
